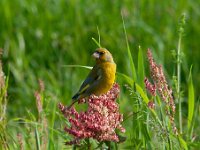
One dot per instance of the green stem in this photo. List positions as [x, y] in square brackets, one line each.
[164, 123]
[178, 83]
[74, 147]
[116, 146]
[169, 141]
[181, 31]
[88, 144]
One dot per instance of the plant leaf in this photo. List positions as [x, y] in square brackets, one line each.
[129, 54]
[130, 81]
[190, 100]
[95, 41]
[140, 68]
[183, 143]
[78, 66]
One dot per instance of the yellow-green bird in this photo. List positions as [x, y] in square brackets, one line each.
[101, 78]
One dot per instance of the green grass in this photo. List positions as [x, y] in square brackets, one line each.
[40, 37]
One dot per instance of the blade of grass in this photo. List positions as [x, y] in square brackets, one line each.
[183, 143]
[139, 89]
[37, 138]
[190, 102]
[140, 68]
[78, 66]
[134, 76]
[51, 141]
[95, 41]
[195, 117]
[181, 32]
[99, 36]
[125, 78]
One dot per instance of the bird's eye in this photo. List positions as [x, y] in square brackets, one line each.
[101, 53]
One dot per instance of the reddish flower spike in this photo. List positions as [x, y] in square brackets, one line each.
[99, 121]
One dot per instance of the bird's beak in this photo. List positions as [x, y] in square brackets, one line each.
[95, 55]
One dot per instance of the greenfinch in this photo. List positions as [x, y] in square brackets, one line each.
[100, 79]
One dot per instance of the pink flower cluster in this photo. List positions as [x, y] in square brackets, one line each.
[150, 87]
[151, 104]
[160, 82]
[99, 121]
[162, 87]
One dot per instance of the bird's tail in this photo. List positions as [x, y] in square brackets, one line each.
[75, 97]
[74, 101]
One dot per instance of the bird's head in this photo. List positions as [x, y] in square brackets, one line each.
[103, 55]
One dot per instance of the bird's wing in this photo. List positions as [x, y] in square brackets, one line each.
[91, 79]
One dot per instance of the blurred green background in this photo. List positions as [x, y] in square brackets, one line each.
[39, 37]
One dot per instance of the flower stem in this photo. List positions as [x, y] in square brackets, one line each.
[181, 31]
[88, 144]
[178, 84]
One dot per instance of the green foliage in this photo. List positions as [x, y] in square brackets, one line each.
[191, 101]
[40, 38]
[141, 74]
[132, 66]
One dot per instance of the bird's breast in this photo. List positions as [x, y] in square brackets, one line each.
[107, 71]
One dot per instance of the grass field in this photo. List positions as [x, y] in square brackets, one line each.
[39, 38]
